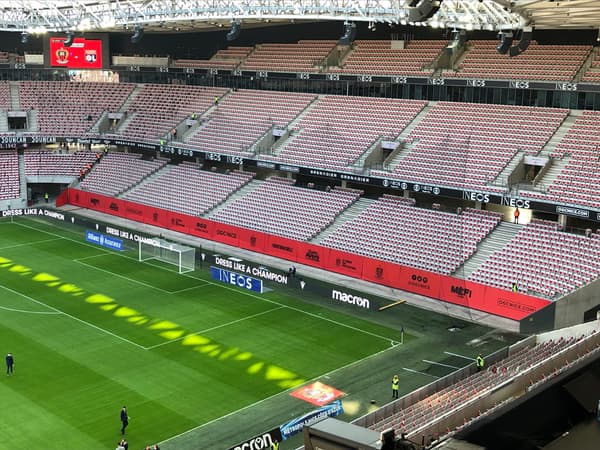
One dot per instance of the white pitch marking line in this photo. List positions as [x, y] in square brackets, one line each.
[214, 328]
[459, 356]
[29, 243]
[73, 317]
[189, 288]
[440, 364]
[28, 312]
[422, 373]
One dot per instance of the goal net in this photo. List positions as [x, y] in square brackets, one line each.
[182, 256]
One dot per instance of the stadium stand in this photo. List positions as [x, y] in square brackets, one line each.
[592, 74]
[578, 182]
[392, 229]
[244, 116]
[118, 171]
[276, 206]
[4, 58]
[9, 175]
[539, 62]
[304, 56]
[338, 130]
[65, 108]
[187, 188]
[421, 413]
[543, 261]
[381, 58]
[156, 109]
[467, 145]
[4, 96]
[52, 163]
[228, 58]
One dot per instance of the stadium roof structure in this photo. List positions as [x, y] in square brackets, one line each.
[36, 16]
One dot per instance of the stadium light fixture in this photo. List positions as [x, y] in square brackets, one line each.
[24, 37]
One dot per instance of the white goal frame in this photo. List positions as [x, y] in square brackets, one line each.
[179, 255]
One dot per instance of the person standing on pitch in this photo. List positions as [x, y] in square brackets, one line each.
[10, 363]
[395, 386]
[124, 419]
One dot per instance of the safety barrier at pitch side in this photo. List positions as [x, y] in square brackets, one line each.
[478, 296]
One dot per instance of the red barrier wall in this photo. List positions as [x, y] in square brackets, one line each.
[449, 289]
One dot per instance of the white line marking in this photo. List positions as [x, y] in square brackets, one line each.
[422, 373]
[27, 312]
[215, 327]
[189, 288]
[440, 364]
[73, 317]
[459, 356]
[222, 285]
[30, 243]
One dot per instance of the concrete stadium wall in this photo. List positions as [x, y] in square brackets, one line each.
[570, 309]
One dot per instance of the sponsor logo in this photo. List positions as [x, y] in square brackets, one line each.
[113, 206]
[260, 442]
[236, 279]
[226, 233]
[252, 241]
[312, 255]
[505, 303]
[201, 226]
[103, 240]
[476, 196]
[94, 201]
[569, 211]
[281, 247]
[155, 217]
[346, 263]
[130, 210]
[344, 297]
[176, 221]
[420, 281]
[515, 202]
[379, 272]
[295, 426]
[461, 291]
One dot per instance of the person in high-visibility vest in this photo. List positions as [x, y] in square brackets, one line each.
[395, 386]
[275, 446]
[480, 362]
[46, 196]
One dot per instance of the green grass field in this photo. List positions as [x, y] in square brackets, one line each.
[199, 365]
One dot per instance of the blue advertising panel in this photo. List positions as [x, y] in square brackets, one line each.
[295, 426]
[103, 240]
[236, 279]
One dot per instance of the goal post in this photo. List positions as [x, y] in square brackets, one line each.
[179, 255]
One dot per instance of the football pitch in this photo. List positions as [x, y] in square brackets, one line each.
[199, 365]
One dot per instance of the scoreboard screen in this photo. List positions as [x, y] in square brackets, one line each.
[82, 54]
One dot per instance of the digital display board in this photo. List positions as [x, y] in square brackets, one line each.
[82, 54]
